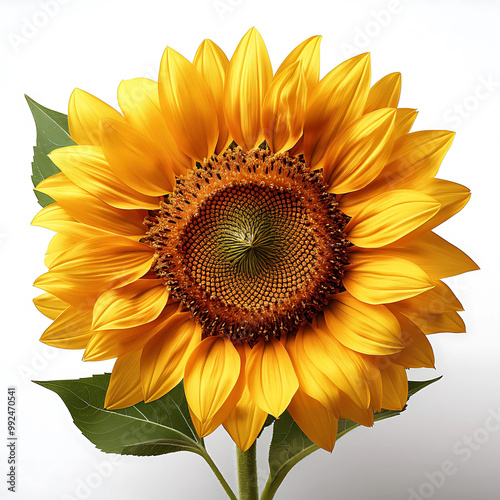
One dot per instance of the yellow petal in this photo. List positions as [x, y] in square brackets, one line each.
[245, 421]
[405, 117]
[284, 108]
[70, 330]
[84, 113]
[415, 156]
[124, 388]
[210, 375]
[432, 321]
[136, 159]
[212, 63]
[362, 327]
[342, 366]
[50, 305]
[338, 99]
[86, 208]
[187, 105]
[452, 196]
[68, 293]
[108, 344]
[354, 412]
[137, 303]
[360, 152]
[390, 216]
[164, 356]
[87, 167]
[380, 279]
[418, 350]
[385, 93]
[311, 379]
[248, 77]
[208, 426]
[271, 379]
[439, 299]
[58, 244]
[308, 54]
[438, 258]
[103, 263]
[318, 424]
[395, 387]
[139, 101]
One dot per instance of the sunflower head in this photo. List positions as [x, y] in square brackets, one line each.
[267, 237]
[251, 243]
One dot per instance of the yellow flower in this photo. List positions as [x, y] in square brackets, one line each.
[298, 273]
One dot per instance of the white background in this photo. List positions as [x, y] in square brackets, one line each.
[446, 52]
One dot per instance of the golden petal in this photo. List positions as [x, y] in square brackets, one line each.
[84, 113]
[418, 350]
[50, 305]
[187, 105]
[271, 379]
[312, 380]
[87, 209]
[140, 103]
[438, 258]
[318, 424]
[136, 159]
[212, 64]
[338, 99]
[365, 328]
[380, 279]
[390, 216]
[87, 167]
[211, 373]
[109, 344]
[342, 366]
[405, 117]
[132, 305]
[360, 152]
[103, 263]
[124, 388]
[385, 93]
[70, 330]
[164, 356]
[248, 77]
[68, 293]
[395, 387]
[284, 108]
[308, 54]
[245, 421]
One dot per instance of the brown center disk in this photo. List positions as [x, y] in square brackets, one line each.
[252, 244]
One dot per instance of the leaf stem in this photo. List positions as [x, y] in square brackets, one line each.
[219, 476]
[247, 473]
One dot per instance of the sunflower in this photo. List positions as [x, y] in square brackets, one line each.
[265, 238]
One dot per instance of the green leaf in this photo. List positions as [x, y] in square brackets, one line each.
[162, 426]
[289, 444]
[52, 132]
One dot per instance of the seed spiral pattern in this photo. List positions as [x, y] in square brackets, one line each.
[252, 244]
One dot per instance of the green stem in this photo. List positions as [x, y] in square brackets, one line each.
[269, 490]
[247, 473]
[220, 477]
